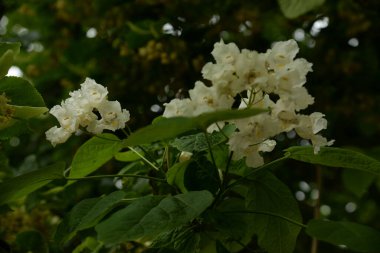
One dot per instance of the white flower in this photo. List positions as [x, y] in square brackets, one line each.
[254, 158]
[113, 117]
[93, 92]
[252, 71]
[179, 107]
[301, 98]
[215, 72]
[309, 126]
[267, 146]
[207, 99]
[57, 135]
[244, 147]
[225, 53]
[318, 122]
[66, 118]
[78, 111]
[319, 141]
[272, 80]
[282, 53]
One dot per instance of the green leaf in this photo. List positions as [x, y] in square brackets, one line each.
[67, 228]
[220, 248]
[27, 112]
[20, 186]
[94, 153]
[100, 209]
[176, 175]
[21, 92]
[182, 239]
[89, 243]
[357, 182]
[335, 157]
[26, 101]
[168, 128]
[267, 194]
[295, 8]
[197, 142]
[32, 241]
[201, 174]
[87, 214]
[7, 53]
[354, 236]
[231, 226]
[150, 216]
[22, 113]
[127, 156]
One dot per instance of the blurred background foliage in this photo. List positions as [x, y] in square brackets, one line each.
[149, 51]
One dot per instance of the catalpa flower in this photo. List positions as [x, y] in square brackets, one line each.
[79, 111]
[254, 78]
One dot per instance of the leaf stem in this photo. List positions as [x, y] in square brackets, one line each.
[317, 214]
[225, 182]
[212, 156]
[270, 214]
[145, 160]
[210, 149]
[116, 175]
[125, 132]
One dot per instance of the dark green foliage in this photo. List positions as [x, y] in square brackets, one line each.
[22, 185]
[144, 66]
[169, 128]
[201, 174]
[267, 194]
[336, 157]
[32, 241]
[354, 236]
[94, 153]
[147, 217]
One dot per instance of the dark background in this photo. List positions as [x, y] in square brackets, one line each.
[147, 52]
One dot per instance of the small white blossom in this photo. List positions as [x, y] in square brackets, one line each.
[282, 53]
[179, 107]
[57, 135]
[78, 111]
[319, 141]
[318, 122]
[207, 99]
[66, 117]
[113, 117]
[93, 92]
[225, 53]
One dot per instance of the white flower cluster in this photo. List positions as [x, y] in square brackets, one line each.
[273, 80]
[78, 111]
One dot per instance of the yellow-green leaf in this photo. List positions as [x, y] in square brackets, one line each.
[168, 128]
[94, 153]
[295, 8]
[335, 157]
